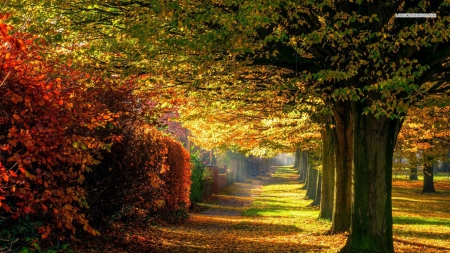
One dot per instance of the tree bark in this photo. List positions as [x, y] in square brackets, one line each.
[374, 142]
[413, 174]
[305, 169]
[317, 198]
[428, 179]
[343, 171]
[297, 160]
[328, 167]
[241, 170]
[312, 183]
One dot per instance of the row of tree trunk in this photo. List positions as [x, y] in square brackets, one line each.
[320, 184]
[331, 186]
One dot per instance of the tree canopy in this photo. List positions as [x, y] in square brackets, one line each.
[353, 59]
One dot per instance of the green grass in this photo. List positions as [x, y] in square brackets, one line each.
[404, 175]
[282, 200]
[421, 221]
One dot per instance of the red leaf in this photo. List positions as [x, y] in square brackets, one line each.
[12, 173]
[20, 45]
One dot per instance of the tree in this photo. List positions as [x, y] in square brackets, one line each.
[425, 140]
[250, 126]
[328, 172]
[365, 64]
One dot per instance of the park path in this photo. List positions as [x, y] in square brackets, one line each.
[270, 214]
[213, 229]
[222, 227]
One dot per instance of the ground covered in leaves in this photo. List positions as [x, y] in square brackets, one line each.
[270, 214]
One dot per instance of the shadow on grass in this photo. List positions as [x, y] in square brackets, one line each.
[275, 229]
[273, 212]
[422, 234]
[241, 245]
[207, 233]
[420, 221]
[422, 245]
[269, 201]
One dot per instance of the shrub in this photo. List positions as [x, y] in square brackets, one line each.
[197, 178]
[146, 175]
[177, 175]
[48, 122]
[127, 184]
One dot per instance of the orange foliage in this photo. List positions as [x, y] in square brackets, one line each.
[47, 137]
[178, 175]
[145, 175]
[128, 179]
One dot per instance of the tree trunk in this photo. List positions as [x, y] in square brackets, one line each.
[343, 174]
[312, 183]
[305, 169]
[328, 167]
[300, 168]
[241, 170]
[428, 180]
[297, 160]
[413, 174]
[374, 142]
[318, 189]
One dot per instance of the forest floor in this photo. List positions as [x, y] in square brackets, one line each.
[270, 214]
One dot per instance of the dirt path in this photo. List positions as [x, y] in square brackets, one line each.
[276, 218]
[204, 230]
[233, 200]
[223, 228]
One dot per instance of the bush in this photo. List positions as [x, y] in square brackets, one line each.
[48, 122]
[177, 175]
[146, 175]
[197, 178]
[21, 234]
[56, 124]
[127, 184]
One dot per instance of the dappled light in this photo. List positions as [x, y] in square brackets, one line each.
[421, 221]
[224, 126]
[275, 218]
[279, 219]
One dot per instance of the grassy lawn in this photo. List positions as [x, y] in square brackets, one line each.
[282, 199]
[421, 221]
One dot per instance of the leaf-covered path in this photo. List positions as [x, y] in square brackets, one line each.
[270, 214]
[246, 217]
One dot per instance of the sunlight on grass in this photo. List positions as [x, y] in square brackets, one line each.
[281, 213]
[280, 220]
[283, 199]
[421, 221]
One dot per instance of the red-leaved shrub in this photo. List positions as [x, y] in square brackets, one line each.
[178, 175]
[48, 122]
[146, 175]
[128, 180]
